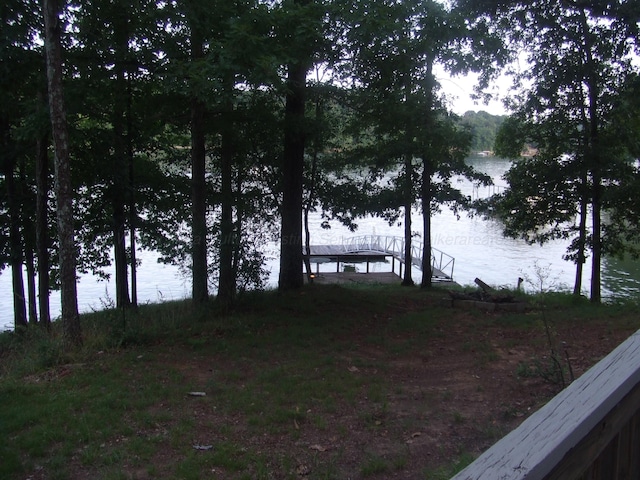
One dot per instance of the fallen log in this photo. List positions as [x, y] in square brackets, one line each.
[485, 294]
[485, 288]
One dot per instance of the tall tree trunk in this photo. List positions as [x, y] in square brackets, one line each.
[199, 204]
[237, 224]
[119, 219]
[291, 276]
[133, 259]
[596, 236]
[583, 192]
[407, 187]
[425, 187]
[427, 274]
[317, 147]
[407, 279]
[134, 267]
[120, 170]
[15, 238]
[227, 280]
[132, 196]
[200, 291]
[592, 82]
[42, 229]
[63, 187]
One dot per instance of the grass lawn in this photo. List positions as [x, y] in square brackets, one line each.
[331, 382]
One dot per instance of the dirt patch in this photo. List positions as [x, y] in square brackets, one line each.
[409, 392]
[454, 396]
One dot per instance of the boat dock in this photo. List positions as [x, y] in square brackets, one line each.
[377, 248]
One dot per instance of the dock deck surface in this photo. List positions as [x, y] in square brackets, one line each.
[374, 248]
[386, 278]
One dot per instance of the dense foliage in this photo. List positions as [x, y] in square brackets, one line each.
[204, 129]
[576, 108]
[484, 128]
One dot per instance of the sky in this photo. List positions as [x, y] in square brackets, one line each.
[459, 89]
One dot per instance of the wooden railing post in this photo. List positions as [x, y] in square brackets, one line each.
[589, 430]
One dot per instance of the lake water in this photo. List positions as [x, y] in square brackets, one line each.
[477, 245]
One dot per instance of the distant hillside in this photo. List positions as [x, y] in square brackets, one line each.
[484, 127]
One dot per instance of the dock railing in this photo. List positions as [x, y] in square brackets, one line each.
[394, 246]
[590, 430]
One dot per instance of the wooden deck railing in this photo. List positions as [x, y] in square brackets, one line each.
[590, 430]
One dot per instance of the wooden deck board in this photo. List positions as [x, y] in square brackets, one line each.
[579, 420]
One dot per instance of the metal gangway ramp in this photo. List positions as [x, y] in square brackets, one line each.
[381, 245]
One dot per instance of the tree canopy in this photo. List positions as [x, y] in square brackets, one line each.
[484, 128]
[203, 130]
[581, 61]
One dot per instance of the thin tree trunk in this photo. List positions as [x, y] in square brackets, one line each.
[291, 276]
[199, 206]
[237, 225]
[407, 188]
[120, 250]
[307, 246]
[200, 291]
[119, 219]
[120, 170]
[582, 242]
[42, 229]
[596, 248]
[317, 146]
[132, 244]
[15, 238]
[407, 279]
[132, 196]
[63, 187]
[227, 280]
[427, 274]
[29, 241]
[584, 195]
[591, 80]
[31, 284]
[426, 189]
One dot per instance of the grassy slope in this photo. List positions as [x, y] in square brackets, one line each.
[121, 408]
